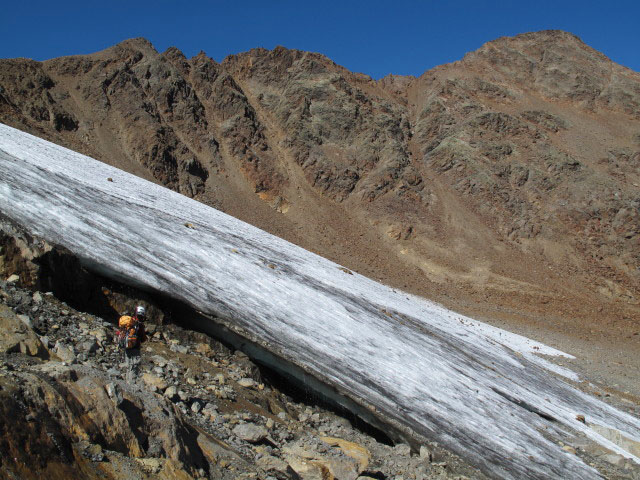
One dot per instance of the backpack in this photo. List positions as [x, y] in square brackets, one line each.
[128, 336]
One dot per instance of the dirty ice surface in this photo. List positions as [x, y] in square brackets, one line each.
[482, 392]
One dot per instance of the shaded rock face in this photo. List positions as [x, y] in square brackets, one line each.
[505, 173]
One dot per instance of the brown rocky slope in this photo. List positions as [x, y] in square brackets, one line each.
[505, 185]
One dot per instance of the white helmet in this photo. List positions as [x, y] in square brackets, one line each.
[140, 311]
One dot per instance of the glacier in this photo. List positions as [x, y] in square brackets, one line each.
[425, 371]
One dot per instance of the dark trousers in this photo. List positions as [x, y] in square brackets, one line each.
[132, 360]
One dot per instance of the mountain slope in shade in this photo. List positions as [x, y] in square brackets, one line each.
[505, 185]
[423, 370]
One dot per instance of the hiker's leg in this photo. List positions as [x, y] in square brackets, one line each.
[133, 364]
[127, 362]
[137, 358]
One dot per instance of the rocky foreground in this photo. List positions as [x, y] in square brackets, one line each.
[197, 410]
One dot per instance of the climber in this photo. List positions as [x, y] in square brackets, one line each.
[131, 335]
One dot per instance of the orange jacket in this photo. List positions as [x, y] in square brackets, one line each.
[127, 322]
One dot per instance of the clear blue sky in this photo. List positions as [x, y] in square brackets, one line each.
[373, 37]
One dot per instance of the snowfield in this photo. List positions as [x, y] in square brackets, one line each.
[482, 392]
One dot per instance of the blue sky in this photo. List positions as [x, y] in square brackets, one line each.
[373, 37]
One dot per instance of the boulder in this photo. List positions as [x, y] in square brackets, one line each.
[90, 346]
[114, 393]
[614, 459]
[247, 383]
[153, 381]
[359, 453]
[65, 353]
[159, 361]
[250, 433]
[171, 393]
[271, 464]
[402, 449]
[210, 411]
[203, 349]
[426, 454]
[310, 464]
[17, 336]
[26, 320]
[184, 396]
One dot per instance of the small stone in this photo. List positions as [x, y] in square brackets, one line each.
[37, 297]
[581, 418]
[270, 423]
[219, 378]
[114, 393]
[159, 361]
[247, 382]
[13, 279]
[250, 433]
[402, 449]
[90, 346]
[614, 459]
[184, 396]
[191, 381]
[94, 453]
[66, 354]
[153, 381]
[171, 393]
[196, 407]
[425, 454]
[303, 417]
[210, 411]
[178, 348]
[569, 449]
[274, 464]
[151, 465]
[203, 348]
[26, 320]
[282, 416]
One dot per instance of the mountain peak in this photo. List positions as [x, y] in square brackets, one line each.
[138, 43]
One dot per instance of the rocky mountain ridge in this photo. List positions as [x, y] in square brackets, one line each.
[504, 185]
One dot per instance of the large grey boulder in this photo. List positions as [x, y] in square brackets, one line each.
[250, 433]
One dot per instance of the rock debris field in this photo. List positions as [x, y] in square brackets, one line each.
[197, 409]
